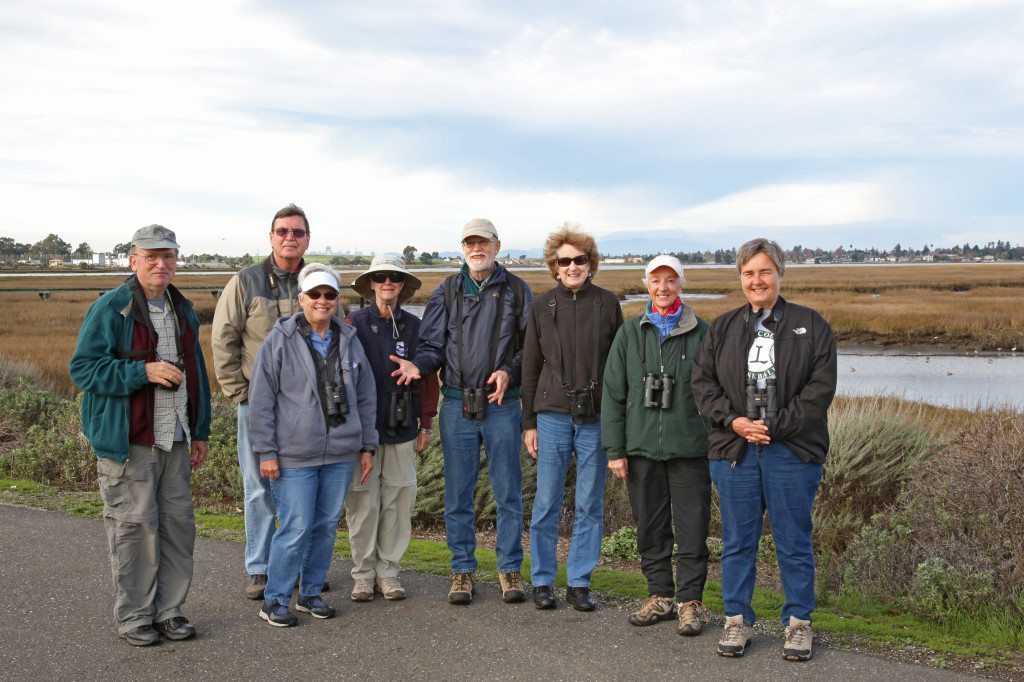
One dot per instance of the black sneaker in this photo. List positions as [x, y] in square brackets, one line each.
[544, 597]
[314, 606]
[256, 585]
[144, 635]
[580, 598]
[278, 615]
[176, 628]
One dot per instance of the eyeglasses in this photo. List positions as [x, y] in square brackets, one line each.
[153, 259]
[283, 232]
[578, 260]
[329, 295]
[395, 277]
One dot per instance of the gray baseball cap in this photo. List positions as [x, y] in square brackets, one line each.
[154, 237]
[479, 227]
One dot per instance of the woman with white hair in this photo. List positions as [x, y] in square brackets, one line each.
[313, 410]
[657, 443]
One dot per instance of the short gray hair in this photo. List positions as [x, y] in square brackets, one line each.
[765, 246]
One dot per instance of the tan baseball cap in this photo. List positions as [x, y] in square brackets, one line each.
[479, 227]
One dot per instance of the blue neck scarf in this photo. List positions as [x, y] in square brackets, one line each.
[665, 323]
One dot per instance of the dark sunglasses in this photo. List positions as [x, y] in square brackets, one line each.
[578, 260]
[395, 277]
[329, 295]
[283, 232]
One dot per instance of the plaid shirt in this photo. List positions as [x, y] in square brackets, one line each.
[170, 408]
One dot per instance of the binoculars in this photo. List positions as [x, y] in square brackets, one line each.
[762, 402]
[658, 390]
[337, 402]
[581, 405]
[474, 403]
[399, 407]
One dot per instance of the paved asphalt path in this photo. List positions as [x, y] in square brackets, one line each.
[56, 623]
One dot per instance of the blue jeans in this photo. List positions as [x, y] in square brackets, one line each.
[769, 478]
[309, 501]
[460, 442]
[557, 439]
[258, 506]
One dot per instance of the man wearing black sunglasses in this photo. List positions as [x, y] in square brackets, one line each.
[252, 301]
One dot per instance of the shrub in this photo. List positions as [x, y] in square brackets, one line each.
[941, 589]
[879, 560]
[620, 545]
[876, 443]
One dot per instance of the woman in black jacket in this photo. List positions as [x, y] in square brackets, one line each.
[764, 377]
[568, 335]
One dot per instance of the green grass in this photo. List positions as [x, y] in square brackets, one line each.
[984, 642]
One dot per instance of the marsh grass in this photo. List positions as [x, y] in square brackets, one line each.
[976, 307]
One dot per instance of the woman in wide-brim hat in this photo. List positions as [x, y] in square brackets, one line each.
[379, 510]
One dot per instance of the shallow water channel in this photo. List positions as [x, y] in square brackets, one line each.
[962, 381]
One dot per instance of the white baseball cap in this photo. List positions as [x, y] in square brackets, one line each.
[664, 260]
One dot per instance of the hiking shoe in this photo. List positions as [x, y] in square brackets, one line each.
[463, 588]
[390, 588]
[314, 606]
[362, 590]
[278, 615]
[257, 583]
[735, 637]
[144, 635]
[653, 610]
[691, 614]
[512, 591]
[580, 599]
[797, 644]
[176, 628]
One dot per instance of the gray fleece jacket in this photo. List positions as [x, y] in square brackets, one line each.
[286, 420]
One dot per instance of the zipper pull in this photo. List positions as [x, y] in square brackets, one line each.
[734, 464]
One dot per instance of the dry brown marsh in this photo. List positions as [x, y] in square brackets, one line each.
[974, 307]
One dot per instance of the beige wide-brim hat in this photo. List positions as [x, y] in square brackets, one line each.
[387, 262]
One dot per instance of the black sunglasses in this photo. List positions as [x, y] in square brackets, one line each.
[578, 260]
[282, 232]
[329, 295]
[395, 277]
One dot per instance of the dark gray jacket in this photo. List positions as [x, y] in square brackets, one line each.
[286, 419]
[438, 334]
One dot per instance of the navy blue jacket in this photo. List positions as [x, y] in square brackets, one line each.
[438, 347]
[376, 334]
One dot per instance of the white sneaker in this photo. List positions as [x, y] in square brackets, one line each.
[735, 637]
[799, 639]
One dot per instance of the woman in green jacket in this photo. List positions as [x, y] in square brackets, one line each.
[657, 443]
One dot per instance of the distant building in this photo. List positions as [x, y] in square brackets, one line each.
[56, 263]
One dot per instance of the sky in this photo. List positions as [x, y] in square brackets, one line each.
[700, 124]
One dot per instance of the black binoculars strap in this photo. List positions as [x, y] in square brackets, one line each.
[566, 384]
[495, 331]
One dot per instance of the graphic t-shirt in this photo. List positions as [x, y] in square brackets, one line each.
[761, 357]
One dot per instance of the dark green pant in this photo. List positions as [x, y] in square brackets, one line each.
[151, 531]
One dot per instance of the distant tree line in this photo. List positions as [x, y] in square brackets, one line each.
[53, 247]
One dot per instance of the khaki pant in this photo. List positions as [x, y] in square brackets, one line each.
[379, 513]
[151, 531]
